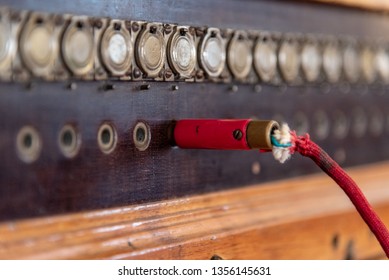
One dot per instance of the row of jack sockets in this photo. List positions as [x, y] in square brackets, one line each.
[29, 143]
[59, 47]
[338, 126]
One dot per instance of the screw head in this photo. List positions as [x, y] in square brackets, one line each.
[167, 28]
[137, 73]
[153, 29]
[117, 26]
[168, 73]
[200, 74]
[135, 26]
[238, 134]
[174, 87]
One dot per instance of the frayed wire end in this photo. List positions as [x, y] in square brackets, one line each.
[282, 143]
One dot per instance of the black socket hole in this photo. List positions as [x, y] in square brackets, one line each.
[27, 141]
[67, 138]
[106, 136]
[153, 29]
[140, 134]
[39, 20]
[117, 26]
[80, 24]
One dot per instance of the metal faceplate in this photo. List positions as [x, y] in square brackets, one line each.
[289, 60]
[39, 45]
[212, 53]
[332, 62]
[369, 70]
[182, 52]
[78, 47]
[6, 45]
[116, 48]
[239, 57]
[150, 50]
[351, 62]
[382, 64]
[311, 61]
[265, 58]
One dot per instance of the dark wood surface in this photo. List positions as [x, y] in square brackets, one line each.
[93, 180]
[277, 15]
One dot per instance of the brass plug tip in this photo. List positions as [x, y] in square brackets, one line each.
[259, 133]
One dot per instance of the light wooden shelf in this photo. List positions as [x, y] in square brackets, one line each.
[376, 5]
[302, 218]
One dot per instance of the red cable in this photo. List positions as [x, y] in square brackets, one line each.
[307, 148]
[220, 134]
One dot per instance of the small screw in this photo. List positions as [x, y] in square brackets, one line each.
[137, 73]
[117, 26]
[153, 29]
[200, 74]
[257, 88]
[107, 87]
[167, 28]
[79, 24]
[72, 86]
[145, 87]
[174, 87]
[234, 88]
[237, 134]
[135, 26]
[183, 31]
[39, 20]
[168, 73]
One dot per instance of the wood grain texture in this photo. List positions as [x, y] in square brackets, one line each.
[277, 15]
[92, 180]
[376, 5]
[303, 218]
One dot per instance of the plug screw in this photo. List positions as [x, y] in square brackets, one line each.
[237, 134]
